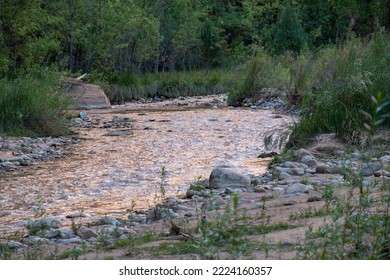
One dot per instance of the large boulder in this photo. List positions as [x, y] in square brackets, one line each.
[86, 96]
[225, 178]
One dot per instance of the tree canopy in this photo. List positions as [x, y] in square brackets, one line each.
[120, 36]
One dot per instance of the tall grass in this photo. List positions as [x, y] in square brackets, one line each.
[128, 87]
[32, 105]
[264, 71]
[333, 86]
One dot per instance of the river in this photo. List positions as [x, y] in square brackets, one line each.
[107, 175]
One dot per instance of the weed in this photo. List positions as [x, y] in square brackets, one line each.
[5, 252]
[357, 229]
[308, 213]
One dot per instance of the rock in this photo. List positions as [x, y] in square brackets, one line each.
[213, 204]
[86, 96]
[76, 215]
[283, 175]
[256, 182]
[267, 154]
[83, 115]
[356, 155]
[154, 214]
[47, 223]
[310, 161]
[171, 200]
[36, 240]
[301, 153]
[13, 245]
[124, 230]
[258, 205]
[173, 214]
[298, 188]
[200, 193]
[298, 171]
[259, 190]
[86, 233]
[92, 239]
[107, 220]
[370, 168]
[66, 233]
[73, 240]
[231, 191]
[224, 178]
[322, 169]
[49, 234]
[122, 132]
[289, 164]
[137, 218]
[314, 196]
[385, 159]
[289, 203]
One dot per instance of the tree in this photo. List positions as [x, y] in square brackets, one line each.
[289, 34]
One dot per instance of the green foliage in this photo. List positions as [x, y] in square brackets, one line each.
[32, 105]
[289, 34]
[129, 87]
[353, 73]
[264, 72]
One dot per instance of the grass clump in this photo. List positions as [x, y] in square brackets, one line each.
[32, 105]
[351, 74]
[264, 71]
[128, 87]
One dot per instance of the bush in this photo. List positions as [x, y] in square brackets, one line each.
[32, 105]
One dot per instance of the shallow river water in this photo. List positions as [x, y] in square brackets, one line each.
[108, 175]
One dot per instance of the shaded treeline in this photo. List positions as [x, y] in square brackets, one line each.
[139, 36]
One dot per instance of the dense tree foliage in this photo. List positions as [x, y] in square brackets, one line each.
[122, 36]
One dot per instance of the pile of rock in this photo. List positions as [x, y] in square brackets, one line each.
[25, 151]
